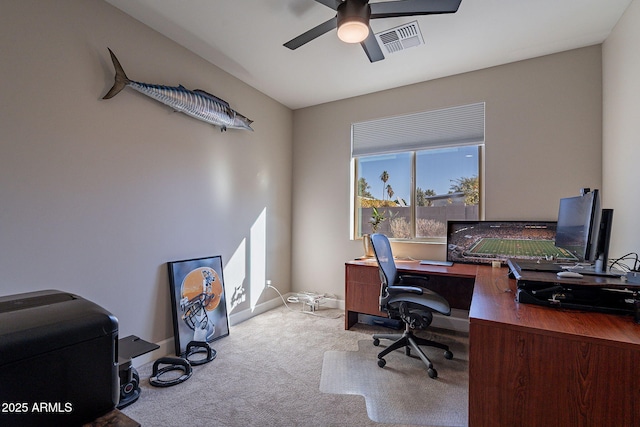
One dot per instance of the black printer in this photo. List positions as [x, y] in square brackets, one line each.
[58, 359]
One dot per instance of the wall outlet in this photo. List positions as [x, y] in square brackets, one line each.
[267, 283]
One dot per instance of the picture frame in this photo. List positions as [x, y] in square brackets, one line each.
[198, 301]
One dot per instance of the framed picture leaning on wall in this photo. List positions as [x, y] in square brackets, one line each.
[197, 301]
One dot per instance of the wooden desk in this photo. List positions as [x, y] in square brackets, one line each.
[362, 285]
[538, 366]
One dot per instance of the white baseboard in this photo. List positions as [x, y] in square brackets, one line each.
[458, 321]
[243, 315]
[333, 303]
[167, 347]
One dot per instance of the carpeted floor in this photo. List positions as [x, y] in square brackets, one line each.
[402, 392]
[268, 373]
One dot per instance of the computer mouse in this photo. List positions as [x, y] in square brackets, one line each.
[570, 274]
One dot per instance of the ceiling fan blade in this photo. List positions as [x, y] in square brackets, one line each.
[317, 31]
[394, 9]
[333, 4]
[372, 48]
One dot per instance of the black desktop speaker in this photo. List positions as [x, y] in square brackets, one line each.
[128, 348]
[129, 385]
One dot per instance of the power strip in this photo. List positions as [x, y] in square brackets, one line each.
[312, 301]
[308, 299]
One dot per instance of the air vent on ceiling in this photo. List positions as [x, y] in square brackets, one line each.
[400, 38]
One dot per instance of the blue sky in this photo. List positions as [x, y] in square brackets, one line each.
[435, 170]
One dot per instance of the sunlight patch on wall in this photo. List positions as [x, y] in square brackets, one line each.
[258, 258]
[234, 276]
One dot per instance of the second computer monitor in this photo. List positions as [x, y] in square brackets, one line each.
[579, 225]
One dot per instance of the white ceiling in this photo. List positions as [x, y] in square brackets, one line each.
[245, 38]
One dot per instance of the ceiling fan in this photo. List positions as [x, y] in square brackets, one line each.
[352, 20]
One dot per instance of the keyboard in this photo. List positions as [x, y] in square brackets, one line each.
[432, 262]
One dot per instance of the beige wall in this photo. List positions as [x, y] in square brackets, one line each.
[543, 142]
[97, 195]
[621, 130]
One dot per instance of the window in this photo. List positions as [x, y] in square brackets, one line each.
[413, 173]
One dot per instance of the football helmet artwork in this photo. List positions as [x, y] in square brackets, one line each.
[201, 292]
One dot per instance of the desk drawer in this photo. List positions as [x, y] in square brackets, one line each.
[363, 290]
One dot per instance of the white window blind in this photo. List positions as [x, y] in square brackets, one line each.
[461, 125]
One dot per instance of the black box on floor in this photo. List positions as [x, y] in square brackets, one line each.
[379, 321]
[58, 359]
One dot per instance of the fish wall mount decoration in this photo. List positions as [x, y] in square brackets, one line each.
[197, 103]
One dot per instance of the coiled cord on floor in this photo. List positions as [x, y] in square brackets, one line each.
[293, 299]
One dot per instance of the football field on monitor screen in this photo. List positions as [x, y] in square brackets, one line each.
[516, 248]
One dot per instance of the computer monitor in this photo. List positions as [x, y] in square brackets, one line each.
[483, 242]
[578, 226]
[604, 238]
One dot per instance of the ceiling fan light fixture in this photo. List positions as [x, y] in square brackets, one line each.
[353, 32]
[353, 20]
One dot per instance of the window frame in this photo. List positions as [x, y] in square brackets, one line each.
[449, 127]
[357, 222]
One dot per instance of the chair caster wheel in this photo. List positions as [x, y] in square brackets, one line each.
[382, 362]
[376, 342]
[448, 355]
[432, 373]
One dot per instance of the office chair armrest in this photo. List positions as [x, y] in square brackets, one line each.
[395, 289]
[401, 287]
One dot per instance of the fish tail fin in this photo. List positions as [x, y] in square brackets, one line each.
[121, 79]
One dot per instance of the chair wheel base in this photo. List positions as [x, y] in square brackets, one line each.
[432, 373]
[448, 355]
[382, 362]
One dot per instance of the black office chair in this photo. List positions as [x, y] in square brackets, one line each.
[412, 304]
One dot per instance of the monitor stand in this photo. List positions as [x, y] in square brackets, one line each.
[590, 270]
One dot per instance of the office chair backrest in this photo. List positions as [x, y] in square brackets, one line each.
[382, 250]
